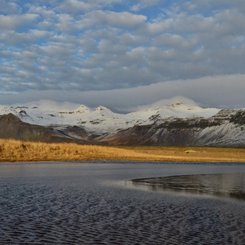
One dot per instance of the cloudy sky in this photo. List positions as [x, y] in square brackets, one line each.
[122, 52]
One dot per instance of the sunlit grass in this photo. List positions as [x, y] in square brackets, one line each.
[12, 150]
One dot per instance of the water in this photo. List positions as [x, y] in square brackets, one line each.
[224, 185]
[72, 203]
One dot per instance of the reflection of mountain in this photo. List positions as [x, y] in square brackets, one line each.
[178, 122]
[227, 185]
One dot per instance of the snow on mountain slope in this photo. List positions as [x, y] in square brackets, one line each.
[179, 107]
[225, 134]
[101, 119]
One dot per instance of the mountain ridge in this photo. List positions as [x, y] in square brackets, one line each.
[175, 122]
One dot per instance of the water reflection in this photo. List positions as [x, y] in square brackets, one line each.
[227, 185]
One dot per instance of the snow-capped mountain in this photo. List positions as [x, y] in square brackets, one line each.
[102, 119]
[177, 121]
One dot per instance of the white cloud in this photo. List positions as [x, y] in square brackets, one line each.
[110, 19]
[142, 4]
[104, 44]
[23, 39]
[78, 6]
[75, 6]
[9, 7]
[13, 21]
[227, 91]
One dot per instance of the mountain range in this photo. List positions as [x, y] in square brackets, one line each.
[175, 122]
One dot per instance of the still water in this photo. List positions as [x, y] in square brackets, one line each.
[98, 203]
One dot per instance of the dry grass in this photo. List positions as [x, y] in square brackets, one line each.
[195, 154]
[11, 150]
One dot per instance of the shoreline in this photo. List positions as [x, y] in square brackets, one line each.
[117, 161]
[170, 159]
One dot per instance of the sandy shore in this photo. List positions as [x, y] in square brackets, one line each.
[18, 151]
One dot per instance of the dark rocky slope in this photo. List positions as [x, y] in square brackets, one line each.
[11, 127]
[226, 128]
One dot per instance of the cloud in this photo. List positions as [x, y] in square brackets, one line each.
[13, 21]
[114, 44]
[108, 19]
[227, 91]
[214, 5]
[7, 7]
[23, 39]
[142, 4]
[77, 6]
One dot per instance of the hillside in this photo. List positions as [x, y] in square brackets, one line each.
[175, 122]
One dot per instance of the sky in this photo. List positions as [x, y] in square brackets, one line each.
[122, 53]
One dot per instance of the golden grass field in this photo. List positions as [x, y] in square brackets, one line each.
[13, 151]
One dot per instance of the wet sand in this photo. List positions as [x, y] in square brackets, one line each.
[72, 203]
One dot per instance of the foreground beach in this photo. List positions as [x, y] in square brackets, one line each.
[74, 203]
[15, 151]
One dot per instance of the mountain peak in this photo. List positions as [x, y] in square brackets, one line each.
[102, 119]
[82, 109]
[9, 118]
[176, 102]
[102, 108]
